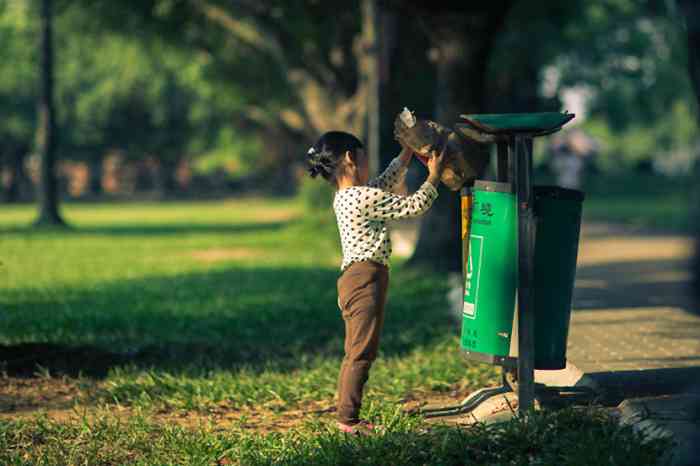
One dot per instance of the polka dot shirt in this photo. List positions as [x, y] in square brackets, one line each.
[362, 211]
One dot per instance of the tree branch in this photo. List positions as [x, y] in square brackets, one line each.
[241, 30]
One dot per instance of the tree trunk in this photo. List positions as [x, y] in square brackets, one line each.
[691, 11]
[18, 179]
[95, 180]
[46, 134]
[370, 71]
[461, 55]
[166, 180]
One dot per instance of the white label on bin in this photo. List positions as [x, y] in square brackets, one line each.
[471, 284]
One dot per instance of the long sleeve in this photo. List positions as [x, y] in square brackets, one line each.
[393, 175]
[383, 205]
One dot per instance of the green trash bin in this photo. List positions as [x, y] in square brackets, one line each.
[490, 273]
[558, 216]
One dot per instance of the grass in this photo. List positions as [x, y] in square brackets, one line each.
[643, 201]
[564, 437]
[183, 333]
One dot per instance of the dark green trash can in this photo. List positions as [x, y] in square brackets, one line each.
[558, 216]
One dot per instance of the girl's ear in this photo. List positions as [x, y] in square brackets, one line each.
[349, 159]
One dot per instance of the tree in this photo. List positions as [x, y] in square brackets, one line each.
[300, 73]
[624, 51]
[139, 96]
[462, 43]
[691, 11]
[17, 97]
[46, 128]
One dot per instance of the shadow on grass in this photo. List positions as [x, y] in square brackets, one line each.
[221, 318]
[163, 229]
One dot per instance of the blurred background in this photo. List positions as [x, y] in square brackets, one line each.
[189, 99]
[189, 271]
[201, 99]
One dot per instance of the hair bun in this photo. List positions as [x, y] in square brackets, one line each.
[323, 157]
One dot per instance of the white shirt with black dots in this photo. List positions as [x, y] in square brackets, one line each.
[362, 212]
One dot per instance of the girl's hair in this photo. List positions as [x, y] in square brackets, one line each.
[323, 157]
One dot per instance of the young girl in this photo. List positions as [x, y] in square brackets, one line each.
[362, 208]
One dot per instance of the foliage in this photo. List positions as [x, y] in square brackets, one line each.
[316, 194]
[295, 68]
[143, 97]
[631, 61]
[672, 142]
[17, 74]
[233, 152]
[626, 58]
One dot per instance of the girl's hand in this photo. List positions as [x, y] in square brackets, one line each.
[436, 163]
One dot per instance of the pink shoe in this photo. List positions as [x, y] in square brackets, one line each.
[361, 428]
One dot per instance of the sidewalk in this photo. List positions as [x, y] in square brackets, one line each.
[632, 309]
[635, 332]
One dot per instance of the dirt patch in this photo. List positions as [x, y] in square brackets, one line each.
[218, 255]
[58, 403]
[65, 401]
[25, 396]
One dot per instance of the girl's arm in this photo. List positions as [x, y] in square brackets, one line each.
[383, 205]
[394, 174]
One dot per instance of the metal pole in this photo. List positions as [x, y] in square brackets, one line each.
[526, 234]
[502, 172]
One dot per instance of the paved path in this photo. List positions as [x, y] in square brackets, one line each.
[632, 305]
[635, 332]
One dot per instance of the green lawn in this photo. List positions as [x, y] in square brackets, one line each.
[640, 201]
[185, 332]
[646, 202]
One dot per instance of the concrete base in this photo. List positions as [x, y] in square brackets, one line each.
[499, 408]
[503, 407]
[570, 376]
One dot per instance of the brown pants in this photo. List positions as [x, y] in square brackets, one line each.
[362, 290]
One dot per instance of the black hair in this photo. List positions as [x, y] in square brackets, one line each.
[322, 158]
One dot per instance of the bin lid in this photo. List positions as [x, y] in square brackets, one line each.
[557, 192]
[503, 123]
[493, 186]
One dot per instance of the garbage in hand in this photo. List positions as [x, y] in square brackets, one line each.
[462, 166]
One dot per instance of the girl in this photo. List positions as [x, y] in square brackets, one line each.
[362, 208]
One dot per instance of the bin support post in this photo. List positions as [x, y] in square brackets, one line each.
[521, 147]
[503, 173]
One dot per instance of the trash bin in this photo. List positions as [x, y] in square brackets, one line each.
[558, 217]
[490, 275]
